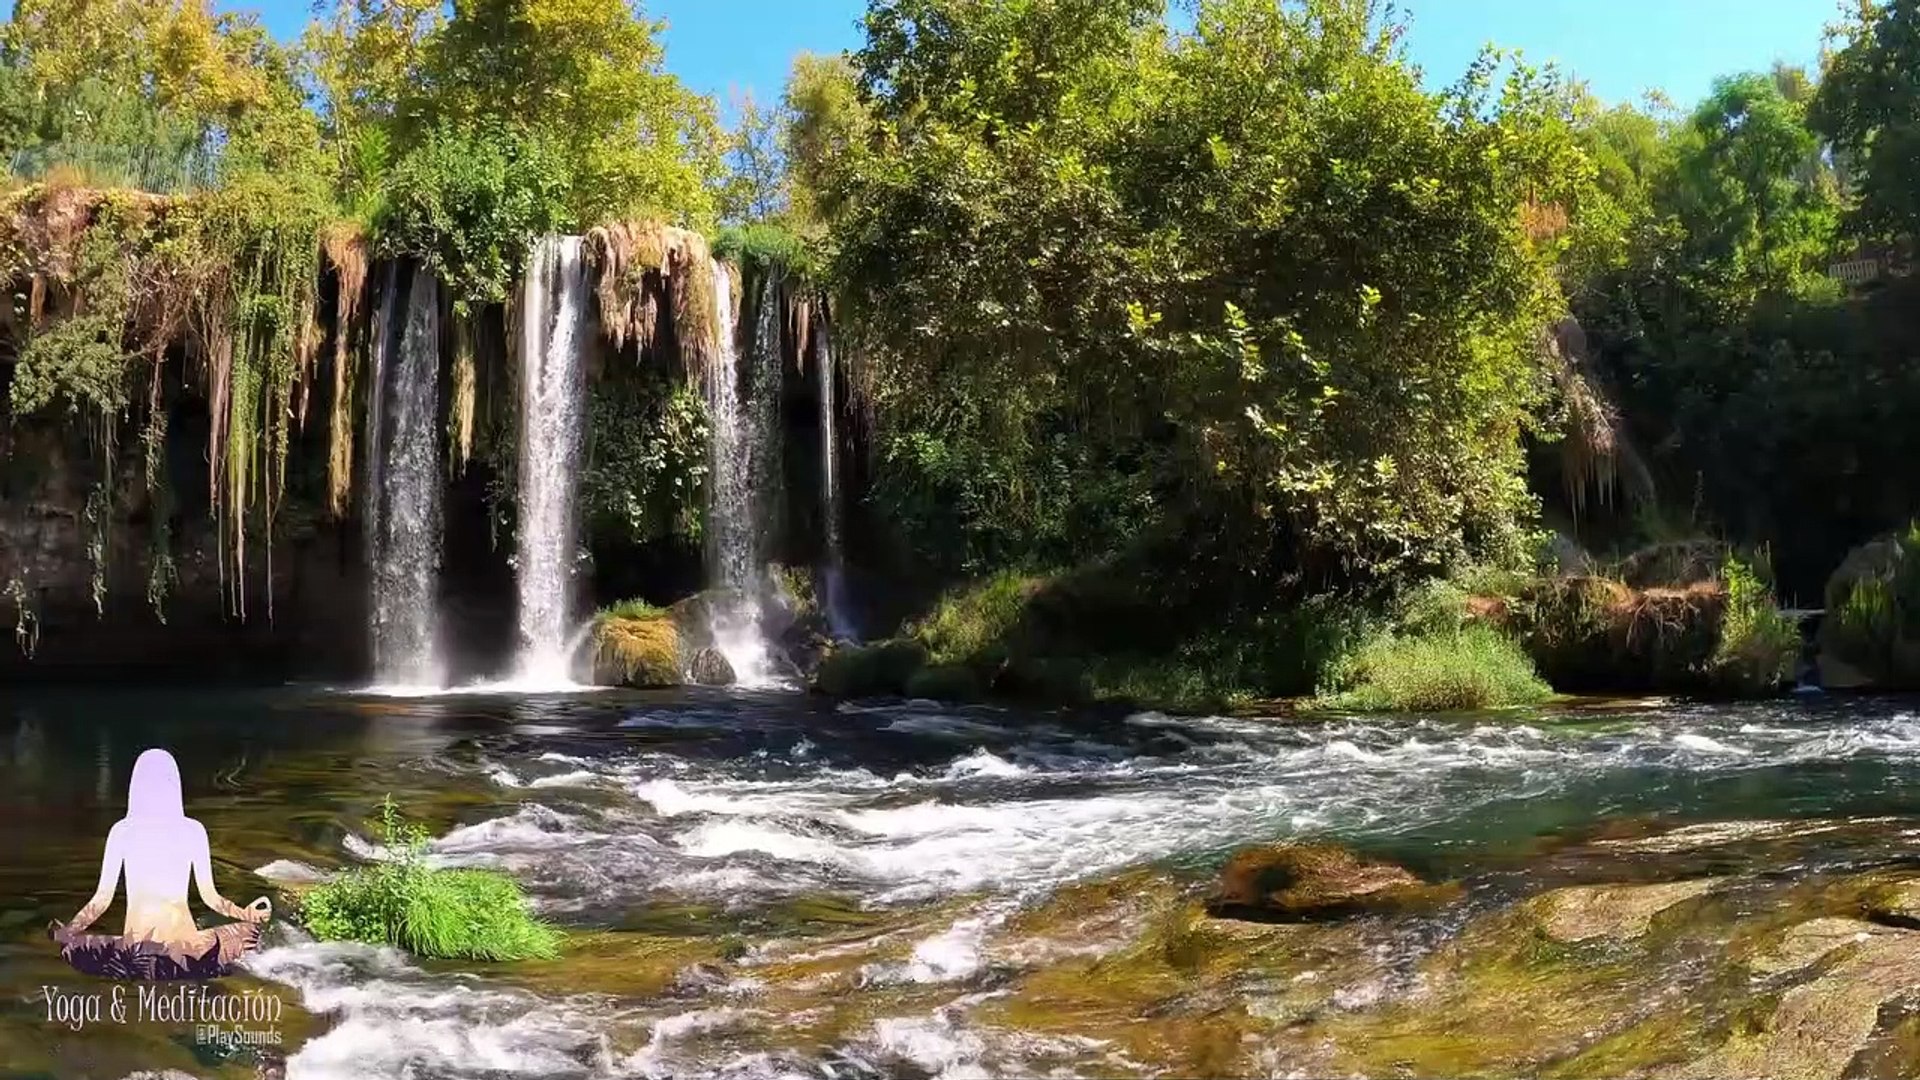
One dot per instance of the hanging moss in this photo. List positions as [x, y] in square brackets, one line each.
[635, 264]
[460, 410]
[345, 246]
[113, 280]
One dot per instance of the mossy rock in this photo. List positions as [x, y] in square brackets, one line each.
[1611, 912]
[641, 651]
[1870, 635]
[711, 668]
[1308, 882]
[1598, 634]
[877, 670]
[945, 682]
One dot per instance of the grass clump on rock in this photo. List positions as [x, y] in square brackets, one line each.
[636, 644]
[442, 914]
[1472, 667]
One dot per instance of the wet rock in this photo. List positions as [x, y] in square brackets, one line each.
[1898, 906]
[711, 668]
[1810, 942]
[1304, 882]
[1613, 912]
[1820, 1026]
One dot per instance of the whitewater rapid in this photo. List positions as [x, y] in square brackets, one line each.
[740, 805]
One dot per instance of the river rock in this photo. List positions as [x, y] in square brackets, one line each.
[711, 668]
[1613, 912]
[1820, 1026]
[1305, 882]
[639, 651]
[1898, 906]
[1809, 942]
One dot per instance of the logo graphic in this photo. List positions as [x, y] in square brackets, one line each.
[158, 846]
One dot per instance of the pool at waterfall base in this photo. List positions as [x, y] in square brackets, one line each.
[760, 885]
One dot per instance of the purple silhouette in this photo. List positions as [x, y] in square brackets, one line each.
[157, 846]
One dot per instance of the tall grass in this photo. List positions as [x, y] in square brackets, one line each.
[445, 914]
[1758, 645]
[1472, 667]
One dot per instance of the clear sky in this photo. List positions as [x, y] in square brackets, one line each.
[1621, 47]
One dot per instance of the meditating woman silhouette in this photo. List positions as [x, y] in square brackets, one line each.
[158, 845]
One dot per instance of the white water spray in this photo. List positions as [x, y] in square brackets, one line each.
[832, 574]
[553, 340]
[743, 423]
[403, 486]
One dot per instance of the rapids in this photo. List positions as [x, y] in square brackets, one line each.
[762, 885]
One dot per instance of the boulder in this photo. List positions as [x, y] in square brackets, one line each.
[710, 668]
[881, 669]
[640, 651]
[1307, 882]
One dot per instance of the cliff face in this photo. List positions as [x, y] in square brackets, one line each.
[80, 599]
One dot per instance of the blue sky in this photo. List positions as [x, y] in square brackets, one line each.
[1621, 47]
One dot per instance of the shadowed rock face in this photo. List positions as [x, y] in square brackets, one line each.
[1305, 882]
[710, 668]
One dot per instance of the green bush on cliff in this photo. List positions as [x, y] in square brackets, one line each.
[444, 914]
[1473, 667]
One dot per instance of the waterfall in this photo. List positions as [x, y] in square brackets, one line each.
[553, 338]
[832, 574]
[403, 484]
[744, 422]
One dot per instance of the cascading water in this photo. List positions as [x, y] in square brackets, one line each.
[832, 574]
[552, 397]
[744, 425]
[403, 485]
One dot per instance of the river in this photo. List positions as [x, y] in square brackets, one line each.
[760, 885]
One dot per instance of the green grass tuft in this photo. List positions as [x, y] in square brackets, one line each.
[1475, 667]
[630, 609]
[1758, 646]
[443, 914]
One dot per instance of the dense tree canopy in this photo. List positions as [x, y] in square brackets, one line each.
[1107, 272]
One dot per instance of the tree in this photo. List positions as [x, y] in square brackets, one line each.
[586, 77]
[756, 187]
[1868, 106]
[1249, 283]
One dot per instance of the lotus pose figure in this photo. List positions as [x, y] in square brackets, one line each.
[157, 846]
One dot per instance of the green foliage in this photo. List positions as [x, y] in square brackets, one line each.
[1758, 647]
[630, 609]
[1873, 610]
[584, 78]
[881, 669]
[647, 461]
[443, 914]
[468, 200]
[1868, 105]
[1475, 667]
[1090, 265]
[766, 246]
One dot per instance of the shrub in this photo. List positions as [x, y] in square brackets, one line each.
[1474, 667]
[970, 621]
[444, 914]
[1758, 645]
